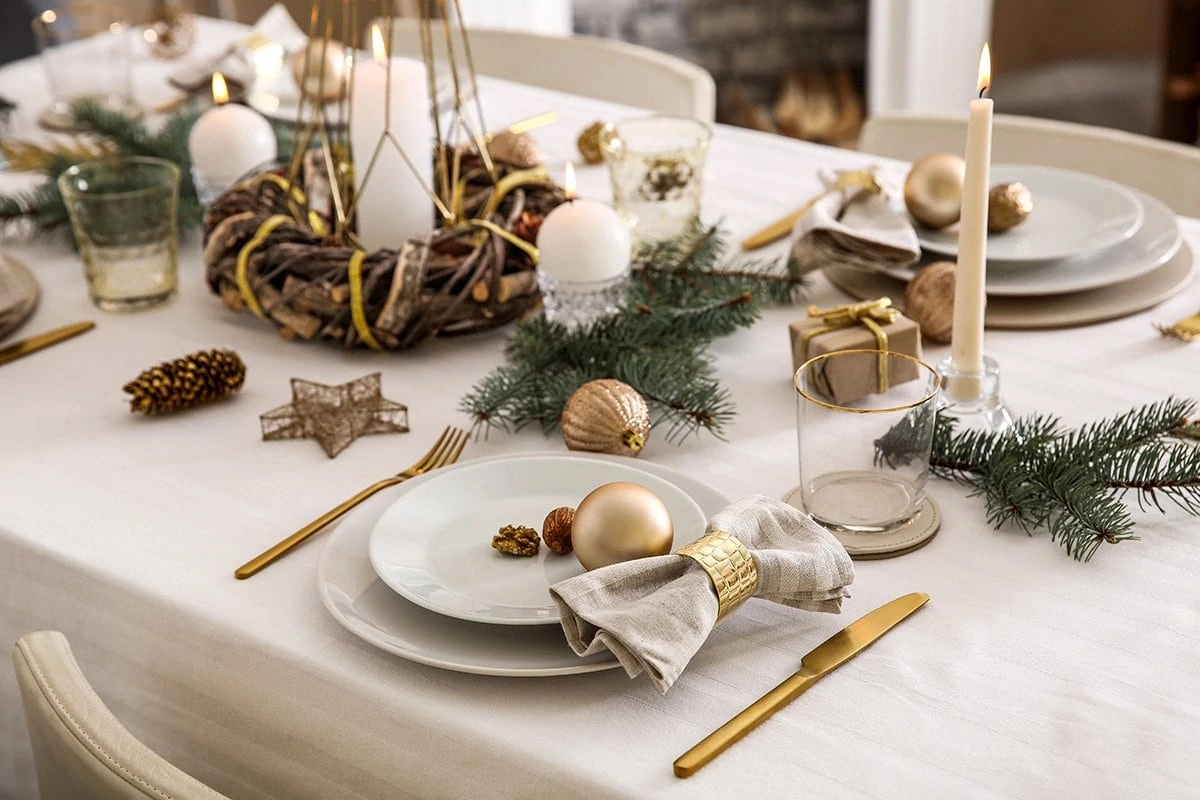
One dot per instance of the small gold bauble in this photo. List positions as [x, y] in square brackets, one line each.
[320, 70]
[929, 301]
[516, 149]
[606, 416]
[1009, 204]
[619, 522]
[591, 143]
[933, 189]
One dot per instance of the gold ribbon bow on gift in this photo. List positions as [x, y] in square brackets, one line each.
[872, 314]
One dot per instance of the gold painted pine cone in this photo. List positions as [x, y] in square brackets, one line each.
[606, 416]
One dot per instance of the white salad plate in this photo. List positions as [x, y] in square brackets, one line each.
[1154, 244]
[1073, 214]
[434, 545]
[360, 602]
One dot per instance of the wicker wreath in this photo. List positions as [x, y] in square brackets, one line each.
[267, 250]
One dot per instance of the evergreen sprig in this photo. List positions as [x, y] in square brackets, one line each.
[115, 132]
[1072, 483]
[682, 297]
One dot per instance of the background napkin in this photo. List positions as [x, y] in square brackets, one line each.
[654, 613]
[873, 230]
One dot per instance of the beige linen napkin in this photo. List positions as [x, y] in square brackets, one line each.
[654, 613]
[873, 230]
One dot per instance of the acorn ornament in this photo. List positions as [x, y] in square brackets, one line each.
[606, 416]
[933, 190]
[1009, 204]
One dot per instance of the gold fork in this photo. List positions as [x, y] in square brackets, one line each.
[444, 452]
[1186, 329]
[855, 178]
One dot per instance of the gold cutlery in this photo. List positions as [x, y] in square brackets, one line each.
[1186, 329]
[851, 179]
[34, 343]
[828, 656]
[444, 452]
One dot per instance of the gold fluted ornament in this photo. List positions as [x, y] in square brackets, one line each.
[606, 416]
[619, 522]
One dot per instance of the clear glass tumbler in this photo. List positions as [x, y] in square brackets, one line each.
[86, 52]
[657, 169]
[864, 463]
[123, 212]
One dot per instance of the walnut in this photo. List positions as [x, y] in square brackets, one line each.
[556, 530]
[929, 301]
[517, 540]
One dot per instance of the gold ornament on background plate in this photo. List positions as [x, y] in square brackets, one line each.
[335, 415]
[1009, 204]
[929, 301]
[606, 416]
[319, 69]
[170, 30]
[186, 382]
[591, 142]
[619, 522]
[933, 189]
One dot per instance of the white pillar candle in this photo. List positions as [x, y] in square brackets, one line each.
[228, 140]
[583, 240]
[394, 203]
[970, 297]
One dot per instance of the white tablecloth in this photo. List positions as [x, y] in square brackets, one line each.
[1028, 674]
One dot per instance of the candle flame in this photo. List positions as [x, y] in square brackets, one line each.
[985, 70]
[569, 181]
[220, 89]
[378, 50]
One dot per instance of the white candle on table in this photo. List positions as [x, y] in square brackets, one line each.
[970, 298]
[228, 140]
[394, 201]
[583, 240]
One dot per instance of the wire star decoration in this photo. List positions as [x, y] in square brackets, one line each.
[335, 415]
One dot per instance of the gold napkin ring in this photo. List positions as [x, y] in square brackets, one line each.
[729, 565]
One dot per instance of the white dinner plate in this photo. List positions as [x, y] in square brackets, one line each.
[1156, 241]
[434, 545]
[360, 602]
[1073, 214]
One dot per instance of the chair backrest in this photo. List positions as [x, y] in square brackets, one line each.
[80, 749]
[604, 69]
[1166, 170]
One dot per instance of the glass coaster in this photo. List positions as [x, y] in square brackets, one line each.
[903, 538]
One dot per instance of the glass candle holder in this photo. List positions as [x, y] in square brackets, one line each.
[579, 303]
[864, 464]
[123, 213]
[86, 52]
[656, 165]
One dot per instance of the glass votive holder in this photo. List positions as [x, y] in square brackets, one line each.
[579, 303]
[656, 165]
[864, 463]
[86, 53]
[123, 213]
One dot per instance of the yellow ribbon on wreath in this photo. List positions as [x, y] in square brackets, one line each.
[871, 314]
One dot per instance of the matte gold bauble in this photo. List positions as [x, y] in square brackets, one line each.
[591, 141]
[619, 522]
[1009, 204]
[929, 301]
[516, 149]
[320, 70]
[606, 416]
[933, 189]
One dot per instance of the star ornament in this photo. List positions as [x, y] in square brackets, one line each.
[335, 415]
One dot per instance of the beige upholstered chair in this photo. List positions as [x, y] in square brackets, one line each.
[1168, 171]
[603, 69]
[80, 749]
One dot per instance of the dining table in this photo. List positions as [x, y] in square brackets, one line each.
[1027, 675]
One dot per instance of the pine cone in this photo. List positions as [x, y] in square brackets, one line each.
[186, 382]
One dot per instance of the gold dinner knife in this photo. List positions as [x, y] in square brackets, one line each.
[34, 343]
[828, 656]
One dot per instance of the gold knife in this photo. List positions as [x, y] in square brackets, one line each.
[34, 343]
[828, 656]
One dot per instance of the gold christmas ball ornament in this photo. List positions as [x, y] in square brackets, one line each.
[591, 142]
[1009, 204]
[620, 522]
[517, 149]
[606, 416]
[933, 190]
[929, 301]
[320, 70]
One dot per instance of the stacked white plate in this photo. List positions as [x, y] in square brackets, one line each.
[413, 571]
[1091, 250]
